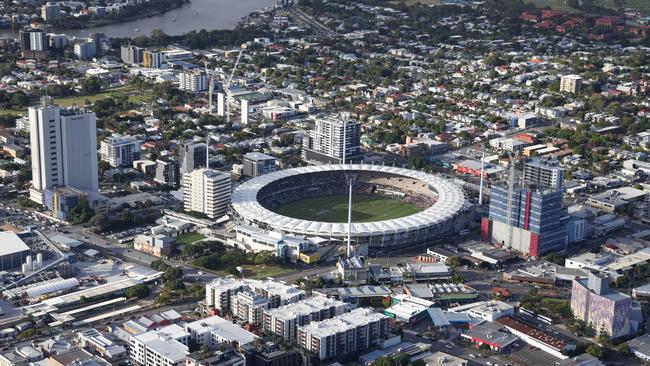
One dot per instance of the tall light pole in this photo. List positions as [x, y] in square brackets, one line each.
[349, 178]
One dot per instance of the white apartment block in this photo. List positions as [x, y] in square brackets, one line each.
[211, 331]
[64, 150]
[570, 83]
[285, 320]
[249, 307]
[219, 294]
[118, 150]
[193, 81]
[351, 332]
[207, 191]
[166, 346]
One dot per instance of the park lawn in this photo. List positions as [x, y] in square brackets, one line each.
[263, 271]
[14, 111]
[365, 208]
[188, 238]
[552, 300]
[135, 96]
[260, 271]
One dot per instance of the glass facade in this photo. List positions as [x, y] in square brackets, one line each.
[541, 213]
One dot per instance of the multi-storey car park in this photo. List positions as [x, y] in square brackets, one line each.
[256, 203]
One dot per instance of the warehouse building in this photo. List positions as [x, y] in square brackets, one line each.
[13, 251]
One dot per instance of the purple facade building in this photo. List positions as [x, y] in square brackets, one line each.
[597, 305]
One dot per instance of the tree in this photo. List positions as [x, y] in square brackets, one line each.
[454, 261]
[604, 338]
[139, 291]
[91, 85]
[457, 278]
[197, 291]
[100, 220]
[164, 297]
[625, 349]
[81, 212]
[596, 351]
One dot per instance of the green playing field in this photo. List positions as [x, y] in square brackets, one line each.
[365, 208]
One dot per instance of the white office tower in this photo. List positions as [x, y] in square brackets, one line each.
[118, 150]
[244, 112]
[207, 191]
[221, 104]
[64, 150]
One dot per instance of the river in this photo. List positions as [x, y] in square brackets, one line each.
[196, 15]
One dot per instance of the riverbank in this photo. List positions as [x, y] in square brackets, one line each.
[142, 12]
[138, 15]
[174, 18]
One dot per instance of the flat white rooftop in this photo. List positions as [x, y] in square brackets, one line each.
[343, 322]
[223, 328]
[304, 307]
[11, 243]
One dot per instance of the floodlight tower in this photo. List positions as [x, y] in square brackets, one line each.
[349, 179]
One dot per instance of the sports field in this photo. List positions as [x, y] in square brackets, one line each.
[365, 208]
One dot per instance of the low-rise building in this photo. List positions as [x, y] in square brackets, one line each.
[155, 244]
[490, 335]
[616, 199]
[215, 330]
[487, 310]
[408, 309]
[548, 342]
[640, 347]
[103, 345]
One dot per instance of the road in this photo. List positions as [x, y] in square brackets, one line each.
[126, 253]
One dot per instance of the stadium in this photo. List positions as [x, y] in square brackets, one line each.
[391, 206]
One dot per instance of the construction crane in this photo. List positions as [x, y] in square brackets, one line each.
[226, 87]
[480, 188]
[210, 74]
[511, 188]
